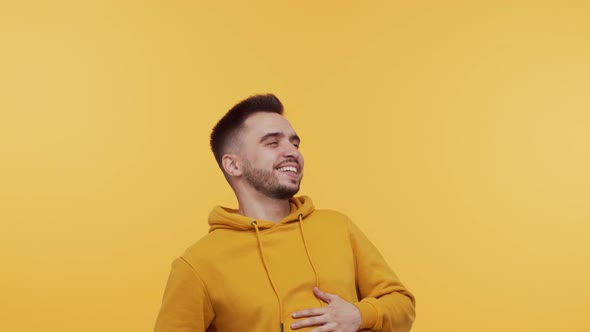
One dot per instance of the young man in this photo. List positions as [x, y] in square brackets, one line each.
[276, 263]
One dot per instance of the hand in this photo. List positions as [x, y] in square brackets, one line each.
[338, 316]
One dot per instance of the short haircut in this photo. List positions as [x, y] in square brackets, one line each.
[228, 127]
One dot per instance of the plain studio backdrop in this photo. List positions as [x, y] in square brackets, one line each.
[455, 133]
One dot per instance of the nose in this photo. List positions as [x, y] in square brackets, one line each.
[292, 151]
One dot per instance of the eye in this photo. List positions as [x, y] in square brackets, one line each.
[273, 143]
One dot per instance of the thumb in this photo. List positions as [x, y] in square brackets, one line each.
[326, 297]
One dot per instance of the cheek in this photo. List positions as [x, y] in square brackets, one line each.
[264, 159]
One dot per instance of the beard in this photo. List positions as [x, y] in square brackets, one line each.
[267, 183]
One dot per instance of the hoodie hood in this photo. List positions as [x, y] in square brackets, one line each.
[226, 218]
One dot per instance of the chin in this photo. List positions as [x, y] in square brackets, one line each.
[293, 186]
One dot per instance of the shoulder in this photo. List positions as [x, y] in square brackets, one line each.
[334, 219]
[329, 215]
[329, 218]
[200, 252]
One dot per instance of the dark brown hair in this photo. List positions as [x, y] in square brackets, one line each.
[228, 126]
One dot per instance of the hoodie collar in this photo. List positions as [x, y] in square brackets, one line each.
[227, 218]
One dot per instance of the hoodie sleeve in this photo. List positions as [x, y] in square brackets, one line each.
[385, 304]
[186, 306]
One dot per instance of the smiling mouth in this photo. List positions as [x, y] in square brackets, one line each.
[288, 169]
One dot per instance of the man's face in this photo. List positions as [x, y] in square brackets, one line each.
[271, 160]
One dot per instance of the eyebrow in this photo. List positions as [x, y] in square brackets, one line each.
[278, 135]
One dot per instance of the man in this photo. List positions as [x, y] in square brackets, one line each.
[276, 263]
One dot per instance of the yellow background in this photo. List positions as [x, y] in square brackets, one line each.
[455, 133]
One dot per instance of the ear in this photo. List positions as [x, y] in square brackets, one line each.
[231, 165]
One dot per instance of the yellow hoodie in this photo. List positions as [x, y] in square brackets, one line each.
[251, 275]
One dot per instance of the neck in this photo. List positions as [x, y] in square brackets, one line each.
[255, 205]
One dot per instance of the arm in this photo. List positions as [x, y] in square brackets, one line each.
[186, 306]
[386, 305]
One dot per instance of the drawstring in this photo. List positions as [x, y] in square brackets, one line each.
[315, 273]
[272, 284]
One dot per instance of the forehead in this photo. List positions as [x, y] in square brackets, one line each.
[261, 123]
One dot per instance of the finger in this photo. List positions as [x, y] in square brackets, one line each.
[325, 328]
[309, 312]
[311, 321]
[326, 297]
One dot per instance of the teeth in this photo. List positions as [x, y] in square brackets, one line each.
[288, 169]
